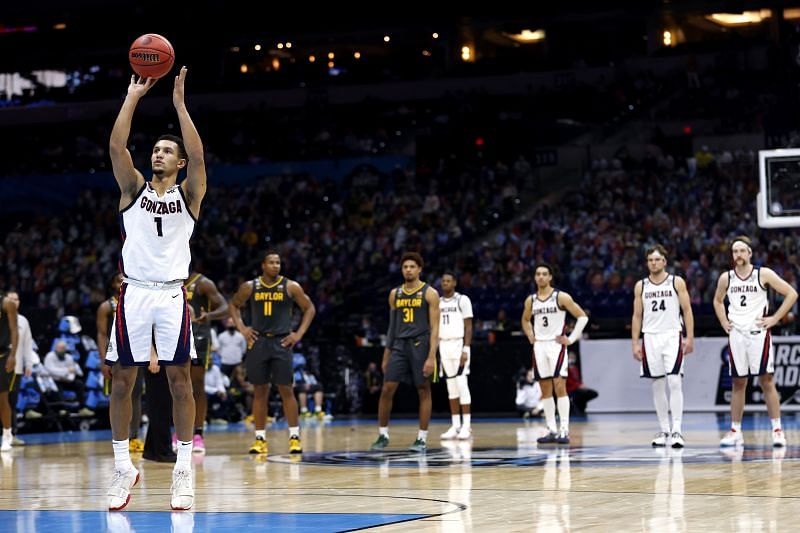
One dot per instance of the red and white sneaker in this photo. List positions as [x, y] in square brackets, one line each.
[182, 490]
[198, 444]
[732, 438]
[778, 438]
[119, 494]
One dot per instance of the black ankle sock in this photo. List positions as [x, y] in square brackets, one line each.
[198, 431]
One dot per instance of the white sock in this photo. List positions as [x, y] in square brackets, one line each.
[675, 383]
[122, 456]
[422, 434]
[776, 424]
[736, 426]
[261, 434]
[563, 412]
[304, 409]
[384, 431]
[467, 420]
[550, 413]
[294, 431]
[7, 435]
[317, 408]
[660, 401]
[184, 461]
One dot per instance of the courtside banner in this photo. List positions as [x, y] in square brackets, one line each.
[608, 367]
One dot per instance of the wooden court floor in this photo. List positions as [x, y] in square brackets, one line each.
[608, 479]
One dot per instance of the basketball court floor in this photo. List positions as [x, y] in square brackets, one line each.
[608, 478]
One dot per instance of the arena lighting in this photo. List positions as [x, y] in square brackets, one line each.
[331, 55]
[791, 13]
[257, 47]
[60, 26]
[745, 18]
[330, 64]
[243, 69]
[435, 35]
[357, 55]
[527, 36]
[467, 53]
[386, 38]
[667, 38]
[280, 46]
[311, 59]
[288, 44]
[276, 63]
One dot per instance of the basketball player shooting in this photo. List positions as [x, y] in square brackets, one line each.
[157, 218]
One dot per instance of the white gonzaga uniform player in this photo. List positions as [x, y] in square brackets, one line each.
[549, 322]
[455, 337]
[451, 336]
[154, 262]
[662, 346]
[748, 325]
[750, 344]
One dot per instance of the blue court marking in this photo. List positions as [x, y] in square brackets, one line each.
[195, 522]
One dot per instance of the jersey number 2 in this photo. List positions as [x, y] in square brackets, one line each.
[159, 229]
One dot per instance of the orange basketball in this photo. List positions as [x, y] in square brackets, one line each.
[151, 56]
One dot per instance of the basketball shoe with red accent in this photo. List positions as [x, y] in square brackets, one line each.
[120, 492]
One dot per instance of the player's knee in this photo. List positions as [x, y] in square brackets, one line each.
[452, 388]
[181, 390]
[675, 382]
[739, 384]
[463, 390]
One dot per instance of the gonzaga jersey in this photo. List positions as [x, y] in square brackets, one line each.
[548, 318]
[155, 236]
[747, 300]
[453, 311]
[662, 309]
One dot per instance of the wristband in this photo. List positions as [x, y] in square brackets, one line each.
[466, 350]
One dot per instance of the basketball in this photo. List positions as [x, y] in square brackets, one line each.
[151, 56]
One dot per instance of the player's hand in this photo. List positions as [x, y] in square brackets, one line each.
[290, 340]
[11, 362]
[106, 371]
[727, 327]
[531, 339]
[428, 367]
[139, 87]
[464, 359]
[563, 339]
[177, 93]
[250, 335]
[637, 351]
[688, 346]
[202, 318]
[153, 366]
[767, 322]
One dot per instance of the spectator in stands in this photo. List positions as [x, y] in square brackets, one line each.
[373, 380]
[232, 347]
[216, 388]
[579, 393]
[66, 373]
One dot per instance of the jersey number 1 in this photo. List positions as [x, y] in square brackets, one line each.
[267, 308]
[159, 229]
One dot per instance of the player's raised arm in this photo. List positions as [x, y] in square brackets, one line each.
[128, 178]
[195, 184]
[565, 301]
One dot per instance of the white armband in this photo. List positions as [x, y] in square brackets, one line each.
[466, 350]
[580, 323]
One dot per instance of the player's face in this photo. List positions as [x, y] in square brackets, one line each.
[542, 277]
[271, 265]
[165, 159]
[411, 270]
[116, 284]
[741, 254]
[448, 283]
[656, 263]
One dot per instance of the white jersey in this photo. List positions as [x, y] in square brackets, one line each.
[155, 236]
[747, 300]
[452, 312]
[549, 320]
[662, 309]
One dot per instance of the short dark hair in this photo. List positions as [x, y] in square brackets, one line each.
[271, 252]
[655, 248]
[548, 266]
[412, 256]
[450, 273]
[177, 140]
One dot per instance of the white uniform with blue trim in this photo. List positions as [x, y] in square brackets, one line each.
[155, 260]
[750, 345]
[452, 312]
[662, 346]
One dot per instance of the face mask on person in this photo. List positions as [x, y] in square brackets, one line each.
[230, 329]
[61, 355]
